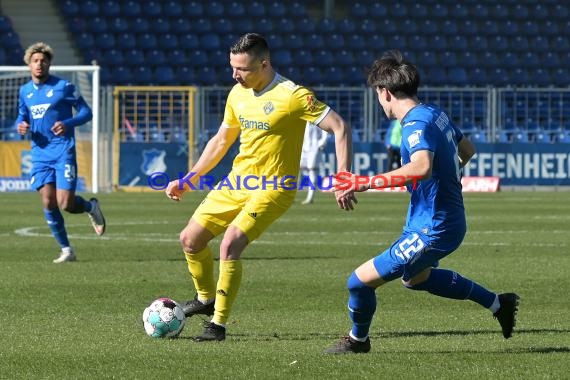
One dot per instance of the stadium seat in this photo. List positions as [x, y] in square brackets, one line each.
[291, 72]
[519, 12]
[478, 137]
[438, 11]
[457, 76]
[215, 9]
[186, 75]
[408, 27]
[312, 75]
[131, 8]
[323, 57]
[105, 41]
[113, 57]
[189, 41]
[176, 57]
[165, 75]
[179, 25]
[89, 8]
[142, 75]
[147, 41]
[201, 26]
[155, 57]
[417, 10]
[296, 9]
[97, 25]
[69, 8]
[160, 25]
[139, 25]
[366, 27]
[499, 11]
[503, 137]
[210, 41]
[448, 59]
[562, 137]
[275, 41]
[9, 40]
[540, 77]
[399, 10]
[509, 28]
[282, 58]
[529, 28]
[358, 10]
[346, 26]
[235, 9]
[355, 42]
[326, 26]
[418, 42]
[303, 57]
[458, 43]
[264, 25]
[294, 41]
[344, 57]
[520, 137]
[542, 138]
[118, 25]
[388, 27]
[334, 41]
[172, 8]
[194, 9]
[377, 10]
[305, 25]
[256, 9]
[478, 76]
[276, 9]
[519, 77]
[198, 57]
[206, 76]
[285, 26]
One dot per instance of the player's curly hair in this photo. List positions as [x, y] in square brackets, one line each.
[394, 73]
[38, 47]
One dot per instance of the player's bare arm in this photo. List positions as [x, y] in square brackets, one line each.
[466, 150]
[419, 168]
[334, 123]
[215, 150]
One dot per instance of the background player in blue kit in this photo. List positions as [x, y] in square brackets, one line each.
[45, 109]
[434, 151]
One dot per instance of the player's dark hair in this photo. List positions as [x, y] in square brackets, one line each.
[395, 74]
[252, 44]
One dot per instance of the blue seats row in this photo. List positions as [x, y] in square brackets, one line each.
[192, 9]
[462, 10]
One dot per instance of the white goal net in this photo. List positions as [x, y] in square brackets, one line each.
[86, 80]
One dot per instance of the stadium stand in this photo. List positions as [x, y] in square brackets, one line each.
[461, 44]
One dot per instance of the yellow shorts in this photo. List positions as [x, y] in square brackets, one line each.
[252, 211]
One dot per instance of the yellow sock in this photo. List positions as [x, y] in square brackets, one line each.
[228, 286]
[201, 267]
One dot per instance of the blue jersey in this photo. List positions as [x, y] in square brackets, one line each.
[41, 105]
[436, 205]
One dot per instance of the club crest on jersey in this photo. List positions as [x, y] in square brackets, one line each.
[312, 103]
[414, 138]
[50, 93]
[268, 108]
[38, 111]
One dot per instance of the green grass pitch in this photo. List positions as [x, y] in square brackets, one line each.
[82, 320]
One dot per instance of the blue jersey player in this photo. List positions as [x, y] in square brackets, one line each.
[46, 110]
[433, 151]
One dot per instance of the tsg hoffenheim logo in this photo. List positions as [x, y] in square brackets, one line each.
[153, 161]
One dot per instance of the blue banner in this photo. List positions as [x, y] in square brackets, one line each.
[515, 164]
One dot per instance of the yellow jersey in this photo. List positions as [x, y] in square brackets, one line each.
[272, 124]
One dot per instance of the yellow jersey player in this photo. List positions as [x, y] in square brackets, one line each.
[268, 113]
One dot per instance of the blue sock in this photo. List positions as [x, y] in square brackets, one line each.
[449, 284]
[57, 226]
[361, 306]
[80, 205]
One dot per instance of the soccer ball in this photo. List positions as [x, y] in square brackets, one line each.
[163, 318]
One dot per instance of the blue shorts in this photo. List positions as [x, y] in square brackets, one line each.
[63, 173]
[412, 253]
